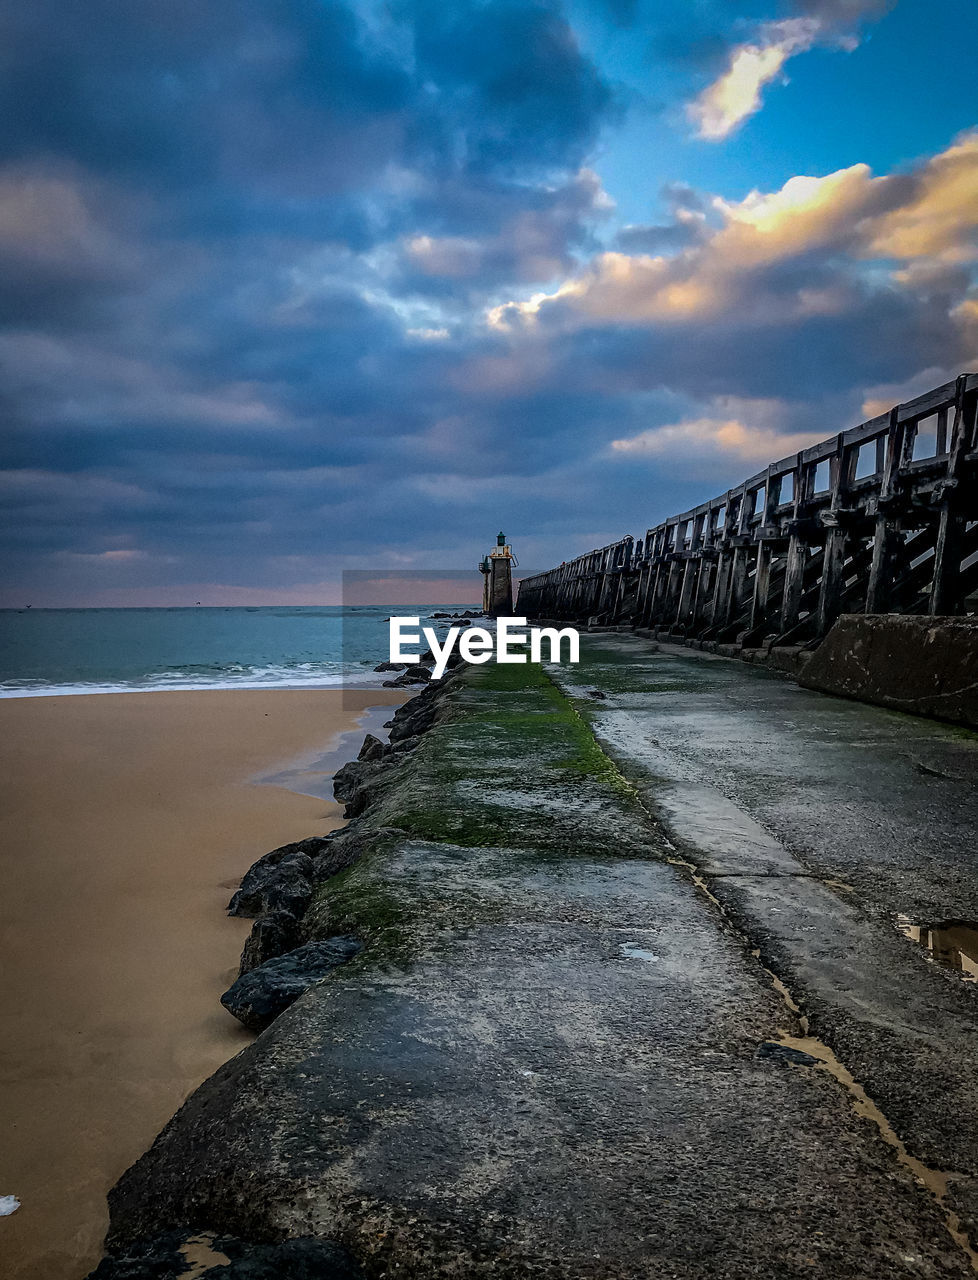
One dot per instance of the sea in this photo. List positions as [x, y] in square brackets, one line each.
[45, 652]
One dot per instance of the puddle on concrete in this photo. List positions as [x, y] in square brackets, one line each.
[201, 1256]
[638, 953]
[315, 778]
[953, 944]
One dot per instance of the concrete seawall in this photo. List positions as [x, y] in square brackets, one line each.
[566, 1050]
[924, 665]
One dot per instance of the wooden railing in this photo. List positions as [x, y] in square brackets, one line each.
[881, 518]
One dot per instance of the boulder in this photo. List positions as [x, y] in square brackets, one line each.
[347, 780]
[372, 749]
[353, 784]
[390, 666]
[275, 886]
[259, 996]
[417, 674]
[304, 1258]
[271, 935]
[250, 899]
[355, 840]
[158, 1258]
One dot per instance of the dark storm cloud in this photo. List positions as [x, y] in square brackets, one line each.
[511, 73]
[280, 95]
[249, 255]
[485, 234]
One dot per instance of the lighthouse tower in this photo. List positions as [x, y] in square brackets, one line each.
[497, 586]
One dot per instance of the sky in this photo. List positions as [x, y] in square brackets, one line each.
[292, 287]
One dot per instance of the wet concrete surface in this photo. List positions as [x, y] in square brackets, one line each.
[558, 1055]
[820, 826]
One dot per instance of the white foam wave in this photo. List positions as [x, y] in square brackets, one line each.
[300, 676]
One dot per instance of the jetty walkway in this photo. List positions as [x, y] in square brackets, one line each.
[633, 999]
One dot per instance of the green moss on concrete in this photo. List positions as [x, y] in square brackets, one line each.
[511, 766]
[361, 902]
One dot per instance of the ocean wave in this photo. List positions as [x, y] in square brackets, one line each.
[302, 675]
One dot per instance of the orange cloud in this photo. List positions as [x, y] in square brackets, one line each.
[849, 213]
[941, 220]
[729, 436]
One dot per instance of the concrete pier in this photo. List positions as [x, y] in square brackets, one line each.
[638, 995]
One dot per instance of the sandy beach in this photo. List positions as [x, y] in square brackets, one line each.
[126, 821]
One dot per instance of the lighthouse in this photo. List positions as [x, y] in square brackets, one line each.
[497, 574]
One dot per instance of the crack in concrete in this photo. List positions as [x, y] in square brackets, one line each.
[936, 1181]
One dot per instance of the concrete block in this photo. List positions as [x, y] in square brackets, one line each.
[927, 666]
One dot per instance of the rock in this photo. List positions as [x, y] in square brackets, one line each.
[345, 852]
[354, 783]
[156, 1259]
[417, 674]
[418, 715]
[372, 749]
[276, 880]
[596, 693]
[290, 889]
[271, 935]
[346, 780]
[390, 666]
[259, 996]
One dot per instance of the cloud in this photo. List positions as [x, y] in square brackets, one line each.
[246, 256]
[782, 256]
[939, 220]
[754, 445]
[512, 73]
[736, 93]
[531, 239]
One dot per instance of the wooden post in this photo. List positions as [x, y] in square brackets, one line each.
[765, 552]
[841, 467]
[887, 531]
[945, 596]
[691, 573]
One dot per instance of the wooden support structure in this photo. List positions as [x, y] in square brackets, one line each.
[868, 521]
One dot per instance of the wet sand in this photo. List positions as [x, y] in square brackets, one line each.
[125, 822]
